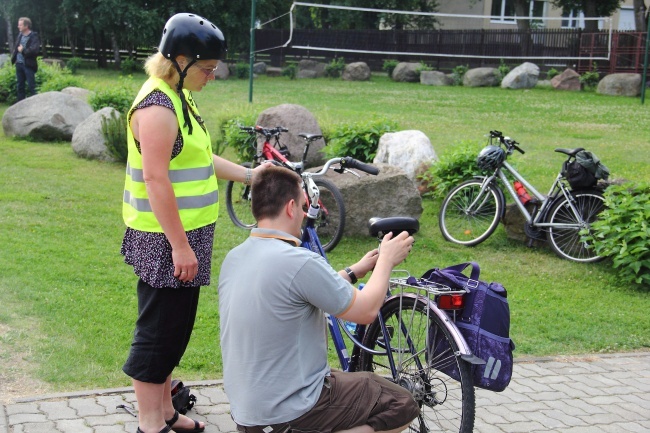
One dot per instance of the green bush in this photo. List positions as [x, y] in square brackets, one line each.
[244, 146]
[129, 66]
[622, 232]
[458, 73]
[291, 70]
[552, 73]
[358, 140]
[335, 68]
[73, 64]
[8, 83]
[423, 67]
[452, 169]
[502, 70]
[590, 79]
[59, 81]
[119, 97]
[389, 66]
[48, 78]
[241, 70]
[114, 132]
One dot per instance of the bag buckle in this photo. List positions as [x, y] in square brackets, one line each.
[472, 284]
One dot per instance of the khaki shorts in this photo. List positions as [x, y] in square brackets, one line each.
[349, 400]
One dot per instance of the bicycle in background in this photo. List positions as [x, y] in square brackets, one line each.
[471, 211]
[331, 222]
[414, 338]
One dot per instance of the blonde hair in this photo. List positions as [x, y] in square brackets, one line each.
[159, 67]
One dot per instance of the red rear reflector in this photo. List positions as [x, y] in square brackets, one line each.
[450, 302]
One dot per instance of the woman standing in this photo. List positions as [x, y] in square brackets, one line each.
[170, 208]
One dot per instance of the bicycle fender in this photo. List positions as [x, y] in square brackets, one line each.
[463, 348]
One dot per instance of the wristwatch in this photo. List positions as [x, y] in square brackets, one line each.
[353, 278]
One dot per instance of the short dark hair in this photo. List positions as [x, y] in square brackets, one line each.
[26, 22]
[272, 189]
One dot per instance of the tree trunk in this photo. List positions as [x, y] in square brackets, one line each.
[116, 51]
[640, 18]
[589, 8]
[522, 8]
[10, 34]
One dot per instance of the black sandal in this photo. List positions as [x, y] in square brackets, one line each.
[164, 430]
[171, 422]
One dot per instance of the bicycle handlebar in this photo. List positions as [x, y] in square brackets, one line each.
[346, 162]
[506, 141]
[267, 132]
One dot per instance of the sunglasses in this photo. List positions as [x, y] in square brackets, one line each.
[209, 71]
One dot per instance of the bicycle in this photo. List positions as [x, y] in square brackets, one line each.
[331, 221]
[414, 337]
[471, 211]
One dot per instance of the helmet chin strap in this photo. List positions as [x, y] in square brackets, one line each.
[179, 88]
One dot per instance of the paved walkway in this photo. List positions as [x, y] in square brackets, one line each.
[590, 394]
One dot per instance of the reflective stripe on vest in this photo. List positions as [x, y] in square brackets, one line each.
[191, 173]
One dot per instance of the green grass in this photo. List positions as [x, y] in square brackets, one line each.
[69, 300]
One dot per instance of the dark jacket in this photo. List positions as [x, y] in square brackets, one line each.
[30, 51]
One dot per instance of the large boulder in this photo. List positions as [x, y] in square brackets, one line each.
[435, 78]
[406, 72]
[222, 72]
[78, 92]
[623, 84]
[408, 150]
[259, 68]
[46, 116]
[390, 193]
[480, 77]
[310, 69]
[88, 141]
[357, 71]
[296, 119]
[567, 80]
[524, 76]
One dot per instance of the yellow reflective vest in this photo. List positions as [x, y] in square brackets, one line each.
[191, 172]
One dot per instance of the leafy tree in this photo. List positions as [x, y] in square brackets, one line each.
[591, 9]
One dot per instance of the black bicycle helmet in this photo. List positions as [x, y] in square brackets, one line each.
[196, 38]
[192, 36]
[490, 158]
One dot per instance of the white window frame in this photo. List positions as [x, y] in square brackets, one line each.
[513, 19]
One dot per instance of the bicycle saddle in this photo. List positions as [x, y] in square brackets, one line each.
[570, 152]
[310, 137]
[380, 226]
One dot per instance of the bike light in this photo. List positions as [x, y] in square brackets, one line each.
[450, 302]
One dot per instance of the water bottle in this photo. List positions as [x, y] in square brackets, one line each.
[351, 326]
[521, 192]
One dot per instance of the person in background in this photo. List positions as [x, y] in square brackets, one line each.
[170, 207]
[272, 299]
[28, 46]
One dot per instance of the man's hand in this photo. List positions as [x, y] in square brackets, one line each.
[20, 48]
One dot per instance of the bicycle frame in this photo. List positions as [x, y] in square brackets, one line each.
[348, 362]
[535, 220]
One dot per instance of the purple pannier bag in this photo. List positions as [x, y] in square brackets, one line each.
[485, 324]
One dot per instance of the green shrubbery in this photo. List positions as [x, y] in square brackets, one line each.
[48, 78]
[622, 232]
[242, 70]
[552, 73]
[244, 146]
[451, 169]
[358, 140]
[119, 96]
[502, 70]
[291, 70]
[114, 132]
[73, 64]
[389, 66]
[129, 66]
[335, 68]
[458, 73]
[590, 79]
[423, 67]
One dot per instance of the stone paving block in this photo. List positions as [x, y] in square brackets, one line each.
[109, 419]
[21, 408]
[480, 427]
[213, 395]
[626, 413]
[86, 407]
[537, 387]
[501, 414]
[604, 399]
[577, 407]
[549, 395]
[44, 427]
[588, 429]
[55, 410]
[24, 418]
[630, 427]
[543, 419]
[110, 402]
[639, 384]
[223, 423]
[523, 427]
[73, 426]
[564, 418]
[114, 429]
[640, 398]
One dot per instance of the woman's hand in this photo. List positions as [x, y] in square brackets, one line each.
[186, 265]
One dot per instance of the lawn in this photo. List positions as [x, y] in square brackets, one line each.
[69, 300]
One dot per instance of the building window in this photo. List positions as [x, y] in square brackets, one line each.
[572, 19]
[504, 10]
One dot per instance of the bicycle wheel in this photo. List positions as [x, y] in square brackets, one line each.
[470, 226]
[331, 221]
[238, 203]
[567, 241]
[420, 351]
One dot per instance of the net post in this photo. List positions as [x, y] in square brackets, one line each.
[644, 77]
[251, 53]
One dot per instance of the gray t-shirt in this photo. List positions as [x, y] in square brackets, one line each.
[272, 295]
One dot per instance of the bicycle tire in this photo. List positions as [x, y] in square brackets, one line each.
[566, 242]
[238, 203]
[446, 404]
[331, 220]
[462, 226]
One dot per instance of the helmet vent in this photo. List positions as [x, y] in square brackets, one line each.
[201, 22]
